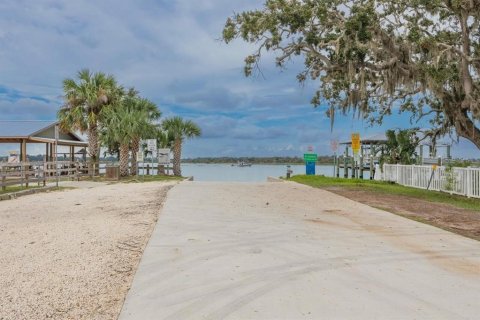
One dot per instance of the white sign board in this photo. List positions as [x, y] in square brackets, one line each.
[151, 145]
[163, 156]
[13, 157]
[140, 157]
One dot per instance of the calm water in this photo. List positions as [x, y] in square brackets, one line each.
[257, 172]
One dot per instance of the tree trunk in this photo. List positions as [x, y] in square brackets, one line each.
[135, 149]
[177, 156]
[124, 152]
[93, 149]
[466, 128]
[459, 118]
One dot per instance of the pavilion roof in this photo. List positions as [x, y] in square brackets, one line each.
[379, 138]
[12, 131]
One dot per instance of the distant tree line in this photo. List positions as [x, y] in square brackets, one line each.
[257, 160]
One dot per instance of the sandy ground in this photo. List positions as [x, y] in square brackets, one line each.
[445, 216]
[288, 251]
[72, 254]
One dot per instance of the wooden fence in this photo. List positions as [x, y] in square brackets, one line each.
[462, 181]
[28, 173]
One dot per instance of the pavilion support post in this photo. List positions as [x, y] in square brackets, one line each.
[23, 159]
[50, 160]
[50, 146]
[23, 151]
[45, 163]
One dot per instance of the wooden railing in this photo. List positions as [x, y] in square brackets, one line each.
[28, 173]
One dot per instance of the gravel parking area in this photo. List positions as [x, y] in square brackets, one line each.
[72, 254]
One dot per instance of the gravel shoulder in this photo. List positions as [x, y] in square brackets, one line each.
[72, 254]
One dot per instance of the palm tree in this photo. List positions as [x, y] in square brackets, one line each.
[84, 101]
[123, 125]
[180, 129]
[400, 147]
[153, 114]
[164, 140]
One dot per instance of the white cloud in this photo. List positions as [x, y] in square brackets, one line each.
[168, 50]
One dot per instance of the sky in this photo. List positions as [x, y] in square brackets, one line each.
[170, 51]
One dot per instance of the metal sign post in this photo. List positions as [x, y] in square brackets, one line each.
[334, 147]
[152, 148]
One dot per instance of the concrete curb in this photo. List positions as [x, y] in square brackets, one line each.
[14, 195]
[272, 179]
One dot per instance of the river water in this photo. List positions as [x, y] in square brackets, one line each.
[257, 172]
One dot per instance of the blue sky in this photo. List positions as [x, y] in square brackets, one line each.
[169, 50]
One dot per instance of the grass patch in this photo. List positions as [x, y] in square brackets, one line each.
[12, 189]
[389, 188]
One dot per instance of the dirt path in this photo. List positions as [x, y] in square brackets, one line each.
[445, 216]
[288, 251]
[72, 254]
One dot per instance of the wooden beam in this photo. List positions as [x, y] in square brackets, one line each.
[50, 145]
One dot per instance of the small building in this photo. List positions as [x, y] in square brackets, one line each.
[26, 132]
[370, 145]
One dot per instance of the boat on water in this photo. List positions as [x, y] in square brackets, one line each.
[241, 164]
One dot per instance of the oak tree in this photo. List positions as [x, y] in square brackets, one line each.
[373, 57]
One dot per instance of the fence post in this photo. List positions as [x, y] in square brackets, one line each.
[37, 174]
[4, 181]
[26, 178]
[21, 175]
[411, 175]
[469, 182]
[44, 173]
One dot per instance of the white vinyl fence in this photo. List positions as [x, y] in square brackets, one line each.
[462, 181]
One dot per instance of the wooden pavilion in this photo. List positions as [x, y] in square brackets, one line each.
[46, 132]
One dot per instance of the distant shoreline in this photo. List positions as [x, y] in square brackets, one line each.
[261, 164]
[257, 160]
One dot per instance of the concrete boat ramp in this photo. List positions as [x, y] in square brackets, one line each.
[287, 251]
